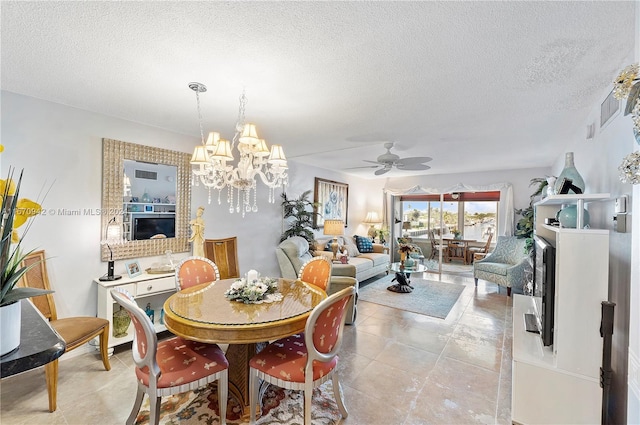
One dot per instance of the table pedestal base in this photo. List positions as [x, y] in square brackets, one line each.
[239, 356]
[403, 285]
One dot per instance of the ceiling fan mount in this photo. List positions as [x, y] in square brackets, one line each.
[387, 161]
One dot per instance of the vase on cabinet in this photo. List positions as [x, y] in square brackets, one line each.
[121, 322]
[571, 173]
[568, 217]
[10, 321]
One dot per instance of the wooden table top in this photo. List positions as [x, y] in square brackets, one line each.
[203, 313]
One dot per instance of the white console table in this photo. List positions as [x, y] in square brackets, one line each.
[147, 288]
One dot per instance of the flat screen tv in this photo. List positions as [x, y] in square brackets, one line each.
[146, 226]
[544, 288]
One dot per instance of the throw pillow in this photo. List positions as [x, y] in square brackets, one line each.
[352, 249]
[364, 244]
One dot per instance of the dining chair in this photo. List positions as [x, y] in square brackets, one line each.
[479, 249]
[317, 271]
[171, 366]
[306, 360]
[436, 246]
[75, 331]
[195, 270]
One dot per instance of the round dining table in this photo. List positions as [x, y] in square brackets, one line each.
[203, 313]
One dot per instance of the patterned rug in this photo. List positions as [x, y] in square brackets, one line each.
[279, 406]
[429, 297]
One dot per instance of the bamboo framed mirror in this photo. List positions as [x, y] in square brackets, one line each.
[154, 215]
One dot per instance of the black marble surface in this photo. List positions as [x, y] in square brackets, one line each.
[39, 343]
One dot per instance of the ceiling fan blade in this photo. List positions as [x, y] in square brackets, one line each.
[381, 171]
[364, 166]
[413, 160]
[373, 162]
[412, 167]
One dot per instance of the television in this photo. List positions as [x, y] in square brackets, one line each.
[544, 288]
[147, 226]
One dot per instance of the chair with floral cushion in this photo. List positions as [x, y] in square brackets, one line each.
[171, 366]
[316, 271]
[194, 271]
[306, 360]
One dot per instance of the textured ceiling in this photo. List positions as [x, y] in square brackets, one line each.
[475, 85]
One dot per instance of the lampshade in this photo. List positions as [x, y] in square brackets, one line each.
[113, 234]
[372, 218]
[200, 155]
[277, 155]
[249, 135]
[223, 151]
[263, 149]
[334, 227]
[212, 141]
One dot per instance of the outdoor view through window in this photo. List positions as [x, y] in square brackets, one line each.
[474, 220]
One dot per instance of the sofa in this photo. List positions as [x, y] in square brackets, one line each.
[361, 265]
[506, 265]
[292, 253]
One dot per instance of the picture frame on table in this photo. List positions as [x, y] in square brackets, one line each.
[332, 200]
[133, 268]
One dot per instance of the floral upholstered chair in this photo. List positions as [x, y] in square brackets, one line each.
[505, 265]
[305, 361]
[171, 366]
[194, 271]
[316, 271]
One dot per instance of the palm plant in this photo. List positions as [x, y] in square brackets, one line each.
[301, 210]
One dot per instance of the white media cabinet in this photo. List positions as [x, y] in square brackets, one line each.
[561, 383]
[145, 288]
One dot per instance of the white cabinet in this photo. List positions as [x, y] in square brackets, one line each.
[560, 383]
[152, 289]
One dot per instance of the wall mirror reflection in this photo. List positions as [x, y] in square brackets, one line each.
[147, 191]
[149, 201]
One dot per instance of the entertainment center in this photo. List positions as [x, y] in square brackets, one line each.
[559, 383]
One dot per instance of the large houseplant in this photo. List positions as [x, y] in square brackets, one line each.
[14, 214]
[299, 213]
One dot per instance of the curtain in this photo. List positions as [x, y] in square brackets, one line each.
[506, 214]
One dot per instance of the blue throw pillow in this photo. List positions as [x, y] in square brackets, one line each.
[364, 244]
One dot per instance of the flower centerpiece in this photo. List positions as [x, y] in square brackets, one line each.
[456, 233]
[254, 290]
[404, 249]
[14, 213]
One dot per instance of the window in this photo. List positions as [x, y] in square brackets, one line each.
[474, 214]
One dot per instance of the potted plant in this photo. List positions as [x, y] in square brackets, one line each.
[300, 211]
[15, 213]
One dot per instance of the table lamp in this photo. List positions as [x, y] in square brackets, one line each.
[372, 219]
[334, 228]
[113, 236]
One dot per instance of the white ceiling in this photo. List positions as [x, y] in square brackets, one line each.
[475, 85]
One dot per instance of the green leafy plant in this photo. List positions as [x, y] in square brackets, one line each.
[15, 212]
[525, 226]
[301, 211]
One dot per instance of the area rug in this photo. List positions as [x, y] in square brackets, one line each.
[279, 406]
[429, 297]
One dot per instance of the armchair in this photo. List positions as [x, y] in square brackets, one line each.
[505, 265]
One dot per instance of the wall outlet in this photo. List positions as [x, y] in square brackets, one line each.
[621, 204]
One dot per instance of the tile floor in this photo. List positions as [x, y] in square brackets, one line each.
[396, 367]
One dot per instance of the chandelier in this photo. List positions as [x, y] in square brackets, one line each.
[214, 165]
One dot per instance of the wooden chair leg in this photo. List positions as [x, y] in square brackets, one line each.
[104, 347]
[51, 376]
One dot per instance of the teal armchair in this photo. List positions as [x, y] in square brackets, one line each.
[506, 265]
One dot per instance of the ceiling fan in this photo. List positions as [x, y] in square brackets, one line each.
[389, 160]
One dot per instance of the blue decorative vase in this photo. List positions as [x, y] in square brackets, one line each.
[569, 172]
[409, 262]
[568, 216]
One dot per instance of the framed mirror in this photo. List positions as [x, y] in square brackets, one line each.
[147, 191]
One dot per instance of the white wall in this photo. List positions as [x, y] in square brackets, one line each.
[61, 147]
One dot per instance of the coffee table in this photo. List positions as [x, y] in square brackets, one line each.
[402, 277]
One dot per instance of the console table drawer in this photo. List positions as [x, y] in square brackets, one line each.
[155, 285]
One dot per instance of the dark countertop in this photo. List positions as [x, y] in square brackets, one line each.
[39, 343]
